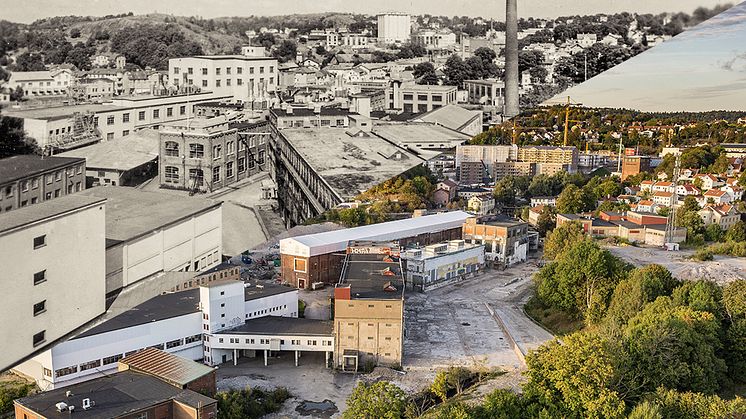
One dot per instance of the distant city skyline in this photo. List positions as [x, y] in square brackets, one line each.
[30, 10]
[702, 69]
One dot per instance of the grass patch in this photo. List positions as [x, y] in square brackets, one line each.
[13, 387]
[556, 321]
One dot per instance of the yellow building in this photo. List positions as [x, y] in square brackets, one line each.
[369, 308]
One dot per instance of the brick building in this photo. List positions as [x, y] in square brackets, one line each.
[30, 179]
[206, 154]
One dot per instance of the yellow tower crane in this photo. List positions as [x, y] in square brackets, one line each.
[567, 118]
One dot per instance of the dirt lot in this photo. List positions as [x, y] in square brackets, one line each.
[722, 270]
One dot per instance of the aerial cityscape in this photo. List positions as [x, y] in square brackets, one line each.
[457, 209]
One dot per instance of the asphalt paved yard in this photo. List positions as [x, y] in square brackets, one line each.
[452, 325]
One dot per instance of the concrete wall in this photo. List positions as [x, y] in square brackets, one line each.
[74, 290]
[375, 328]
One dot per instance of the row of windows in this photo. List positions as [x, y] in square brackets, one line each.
[228, 82]
[115, 358]
[250, 341]
[33, 183]
[266, 311]
[228, 70]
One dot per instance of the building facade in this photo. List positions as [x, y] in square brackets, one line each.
[207, 154]
[51, 287]
[434, 266]
[505, 242]
[244, 78]
[30, 179]
[394, 28]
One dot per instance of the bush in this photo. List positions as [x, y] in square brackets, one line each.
[250, 402]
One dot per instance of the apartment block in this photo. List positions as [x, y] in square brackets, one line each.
[53, 273]
[505, 241]
[29, 179]
[419, 98]
[244, 78]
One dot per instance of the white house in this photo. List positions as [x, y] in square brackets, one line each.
[717, 196]
[481, 204]
[735, 191]
[663, 198]
[687, 189]
[709, 181]
[724, 215]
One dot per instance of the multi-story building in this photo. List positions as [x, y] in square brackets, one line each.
[419, 98]
[318, 257]
[632, 165]
[53, 273]
[30, 179]
[394, 28]
[301, 117]
[553, 157]
[41, 83]
[369, 307]
[505, 241]
[486, 92]
[724, 215]
[92, 90]
[513, 168]
[148, 233]
[434, 39]
[206, 154]
[481, 204]
[65, 127]
[434, 266]
[244, 78]
[488, 154]
[316, 169]
[175, 322]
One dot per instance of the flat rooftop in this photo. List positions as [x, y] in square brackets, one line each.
[123, 154]
[22, 166]
[115, 395]
[60, 112]
[369, 274]
[253, 292]
[451, 116]
[283, 326]
[131, 213]
[45, 210]
[158, 308]
[419, 135]
[350, 165]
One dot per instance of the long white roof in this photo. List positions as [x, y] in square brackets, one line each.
[336, 241]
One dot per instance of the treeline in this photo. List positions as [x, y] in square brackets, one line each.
[152, 45]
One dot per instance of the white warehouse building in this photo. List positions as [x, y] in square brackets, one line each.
[171, 322]
[441, 264]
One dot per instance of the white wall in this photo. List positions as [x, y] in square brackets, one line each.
[74, 290]
[197, 239]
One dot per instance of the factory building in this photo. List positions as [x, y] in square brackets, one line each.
[318, 257]
[436, 265]
[505, 241]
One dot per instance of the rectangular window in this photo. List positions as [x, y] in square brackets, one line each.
[125, 133]
[190, 70]
[229, 169]
[90, 365]
[196, 151]
[141, 116]
[217, 83]
[40, 241]
[40, 307]
[58, 175]
[204, 71]
[66, 371]
[173, 343]
[47, 372]
[299, 265]
[110, 120]
[112, 359]
[156, 113]
[228, 82]
[204, 83]
[182, 110]
[125, 117]
[216, 174]
[110, 136]
[241, 164]
[217, 71]
[217, 151]
[34, 183]
[39, 338]
[261, 70]
[169, 111]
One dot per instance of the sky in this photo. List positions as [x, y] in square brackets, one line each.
[701, 69]
[27, 11]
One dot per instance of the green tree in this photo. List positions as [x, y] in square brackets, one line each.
[574, 199]
[572, 377]
[562, 238]
[13, 139]
[734, 299]
[30, 61]
[642, 286]
[701, 295]
[735, 349]
[285, 51]
[373, 401]
[713, 233]
[580, 281]
[16, 95]
[456, 71]
[425, 73]
[546, 222]
[440, 385]
[737, 232]
[646, 410]
[500, 404]
[675, 347]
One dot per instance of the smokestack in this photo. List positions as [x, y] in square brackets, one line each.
[511, 59]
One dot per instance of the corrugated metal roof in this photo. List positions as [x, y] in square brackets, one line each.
[336, 241]
[168, 367]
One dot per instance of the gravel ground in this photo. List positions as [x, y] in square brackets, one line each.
[722, 270]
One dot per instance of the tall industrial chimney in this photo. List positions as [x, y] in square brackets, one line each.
[511, 59]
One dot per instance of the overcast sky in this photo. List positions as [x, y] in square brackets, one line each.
[30, 10]
[702, 69]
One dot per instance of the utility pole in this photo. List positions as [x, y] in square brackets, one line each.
[671, 221]
[568, 120]
[511, 59]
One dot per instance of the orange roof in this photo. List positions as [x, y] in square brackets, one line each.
[715, 192]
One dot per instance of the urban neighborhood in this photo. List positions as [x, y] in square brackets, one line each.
[373, 215]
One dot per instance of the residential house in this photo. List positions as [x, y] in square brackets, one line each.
[716, 196]
[687, 189]
[724, 215]
[481, 204]
[709, 181]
